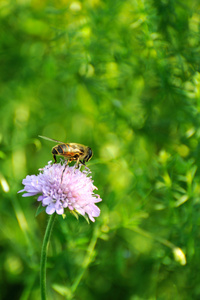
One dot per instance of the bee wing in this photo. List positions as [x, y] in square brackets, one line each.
[49, 139]
[77, 148]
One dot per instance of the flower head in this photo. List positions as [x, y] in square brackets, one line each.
[60, 186]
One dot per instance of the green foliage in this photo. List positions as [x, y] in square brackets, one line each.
[122, 77]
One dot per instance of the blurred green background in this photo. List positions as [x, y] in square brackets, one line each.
[122, 77]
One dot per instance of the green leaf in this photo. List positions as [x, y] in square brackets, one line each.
[39, 209]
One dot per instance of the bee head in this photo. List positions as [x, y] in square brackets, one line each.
[89, 154]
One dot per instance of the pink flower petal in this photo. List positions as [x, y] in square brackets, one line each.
[50, 209]
[46, 200]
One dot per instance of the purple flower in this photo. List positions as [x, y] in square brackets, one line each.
[58, 190]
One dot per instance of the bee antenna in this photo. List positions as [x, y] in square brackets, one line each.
[49, 139]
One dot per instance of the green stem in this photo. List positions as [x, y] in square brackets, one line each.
[87, 260]
[151, 236]
[44, 256]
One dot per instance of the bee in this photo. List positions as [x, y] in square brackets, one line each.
[71, 151]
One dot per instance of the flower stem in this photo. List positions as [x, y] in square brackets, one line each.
[44, 256]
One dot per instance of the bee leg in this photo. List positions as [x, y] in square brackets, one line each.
[77, 164]
[54, 157]
[66, 163]
[83, 163]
